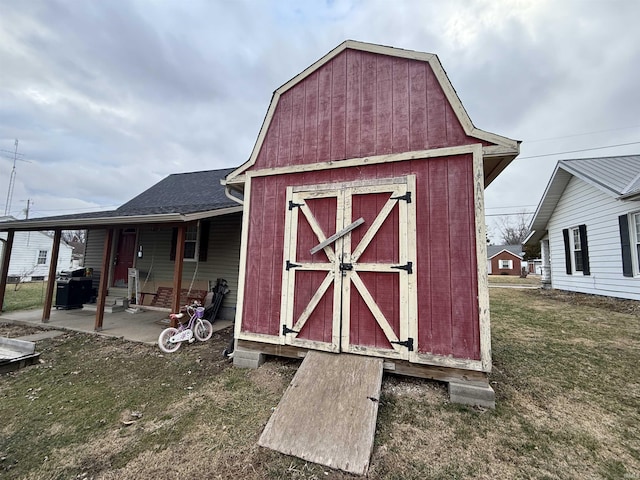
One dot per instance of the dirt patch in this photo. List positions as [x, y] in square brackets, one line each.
[11, 330]
[619, 305]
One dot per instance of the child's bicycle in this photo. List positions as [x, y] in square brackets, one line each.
[171, 338]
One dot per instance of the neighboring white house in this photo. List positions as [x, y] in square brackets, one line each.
[588, 223]
[31, 255]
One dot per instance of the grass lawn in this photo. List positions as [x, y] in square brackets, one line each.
[514, 280]
[565, 375]
[25, 296]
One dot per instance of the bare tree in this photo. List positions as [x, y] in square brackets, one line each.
[514, 228]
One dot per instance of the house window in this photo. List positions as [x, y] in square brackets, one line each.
[191, 242]
[577, 250]
[630, 243]
[636, 239]
[506, 264]
[42, 257]
[196, 242]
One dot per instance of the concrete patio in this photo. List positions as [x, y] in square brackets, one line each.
[144, 326]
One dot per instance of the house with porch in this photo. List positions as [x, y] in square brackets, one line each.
[588, 225]
[179, 236]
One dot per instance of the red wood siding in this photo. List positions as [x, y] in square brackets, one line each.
[446, 250]
[360, 104]
[495, 264]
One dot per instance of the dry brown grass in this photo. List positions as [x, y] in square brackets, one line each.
[568, 403]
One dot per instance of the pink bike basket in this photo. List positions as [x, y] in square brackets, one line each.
[199, 312]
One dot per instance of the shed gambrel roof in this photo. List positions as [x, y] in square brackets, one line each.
[493, 250]
[618, 177]
[498, 151]
[180, 197]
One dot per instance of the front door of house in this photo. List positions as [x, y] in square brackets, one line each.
[349, 272]
[125, 255]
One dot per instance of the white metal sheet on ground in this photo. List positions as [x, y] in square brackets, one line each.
[328, 413]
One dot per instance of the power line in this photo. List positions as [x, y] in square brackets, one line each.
[581, 134]
[511, 206]
[582, 150]
[507, 214]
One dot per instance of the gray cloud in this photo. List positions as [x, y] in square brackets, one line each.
[107, 98]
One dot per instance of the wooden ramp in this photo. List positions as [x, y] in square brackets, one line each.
[328, 413]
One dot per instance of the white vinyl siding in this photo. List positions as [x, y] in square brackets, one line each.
[26, 253]
[582, 203]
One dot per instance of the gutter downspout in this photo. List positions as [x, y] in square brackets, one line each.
[227, 192]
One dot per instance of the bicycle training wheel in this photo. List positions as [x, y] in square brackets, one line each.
[203, 330]
[163, 340]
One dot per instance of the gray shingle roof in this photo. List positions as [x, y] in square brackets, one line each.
[493, 250]
[181, 193]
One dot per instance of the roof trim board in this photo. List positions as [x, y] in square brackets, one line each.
[507, 251]
[510, 148]
[53, 223]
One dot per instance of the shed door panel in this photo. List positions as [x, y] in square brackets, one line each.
[375, 305]
[354, 295]
[310, 298]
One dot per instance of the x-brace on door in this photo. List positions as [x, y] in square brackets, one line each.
[349, 268]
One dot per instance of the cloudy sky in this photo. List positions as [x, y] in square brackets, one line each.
[107, 98]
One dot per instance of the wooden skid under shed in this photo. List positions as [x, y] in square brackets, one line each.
[328, 413]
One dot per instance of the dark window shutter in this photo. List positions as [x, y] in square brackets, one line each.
[584, 247]
[174, 242]
[567, 250]
[625, 243]
[204, 240]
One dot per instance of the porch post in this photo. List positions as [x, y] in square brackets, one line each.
[177, 271]
[4, 269]
[104, 279]
[51, 279]
[546, 263]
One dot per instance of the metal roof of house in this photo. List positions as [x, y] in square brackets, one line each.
[180, 197]
[618, 177]
[493, 250]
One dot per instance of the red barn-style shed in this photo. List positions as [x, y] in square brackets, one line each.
[364, 226]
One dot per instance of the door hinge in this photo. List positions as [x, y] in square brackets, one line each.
[290, 265]
[406, 197]
[408, 267]
[407, 343]
[346, 266]
[286, 330]
[293, 205]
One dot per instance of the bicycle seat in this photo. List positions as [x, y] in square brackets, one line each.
[176, 316]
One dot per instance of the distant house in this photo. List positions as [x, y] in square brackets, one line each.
[31, 255]
[588, 223]
[504, 259]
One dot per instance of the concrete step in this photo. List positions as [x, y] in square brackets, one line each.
[109, 307]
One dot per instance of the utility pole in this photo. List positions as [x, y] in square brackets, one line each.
[12, 177]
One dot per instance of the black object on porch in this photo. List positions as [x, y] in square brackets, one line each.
[214, 298]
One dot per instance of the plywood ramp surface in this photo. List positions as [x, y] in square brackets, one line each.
[328, 413]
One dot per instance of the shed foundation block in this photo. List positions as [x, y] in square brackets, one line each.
[477, 395]
[244, 358]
